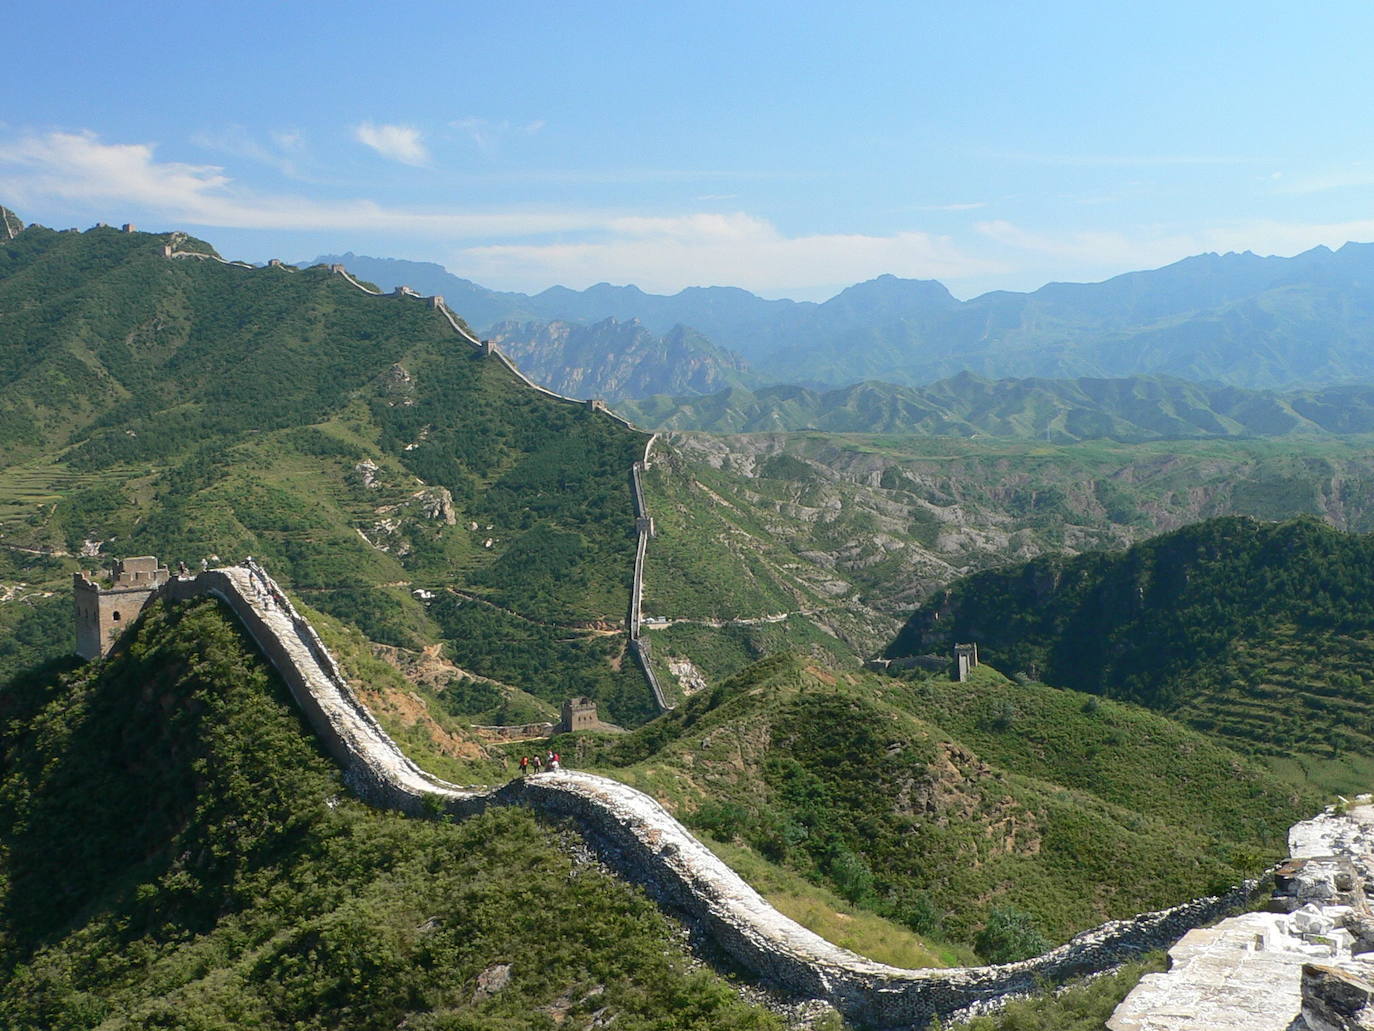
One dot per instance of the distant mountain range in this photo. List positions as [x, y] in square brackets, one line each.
[616, 360]
[1129, 409]
[1240, 319]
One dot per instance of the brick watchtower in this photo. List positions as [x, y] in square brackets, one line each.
[578, 714]
[102, 613]
[965, 659]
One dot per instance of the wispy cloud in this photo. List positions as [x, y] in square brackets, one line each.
[488, 135]
[524, 247]
[668, 253]
[282, 149]
[1117, 160]
[401, 143]
[970, 206]
[1353, 176]
[80, 169]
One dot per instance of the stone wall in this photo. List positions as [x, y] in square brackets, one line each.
[644, 529]
[642, 841]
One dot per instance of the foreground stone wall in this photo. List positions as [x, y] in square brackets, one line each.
[1306, 962]
[641, 840]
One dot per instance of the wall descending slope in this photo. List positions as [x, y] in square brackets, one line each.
[644, 529]
[635, 835]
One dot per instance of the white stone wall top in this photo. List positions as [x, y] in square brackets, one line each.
[654, 843]
[1245, 974]
[1331, 834]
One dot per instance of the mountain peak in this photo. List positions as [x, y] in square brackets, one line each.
[891, 291]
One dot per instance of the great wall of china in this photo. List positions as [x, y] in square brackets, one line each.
[638, 838]
[634, 835]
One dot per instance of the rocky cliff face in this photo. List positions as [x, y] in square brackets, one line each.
[615, 360]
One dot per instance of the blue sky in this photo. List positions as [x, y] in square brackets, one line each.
[789, 148]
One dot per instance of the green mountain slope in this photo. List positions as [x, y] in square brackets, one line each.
[357, 444]
[923, 800]
[1131, 409]
[1258, 632]
[824, 543]
[175, 851]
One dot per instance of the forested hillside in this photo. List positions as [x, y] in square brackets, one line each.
[356, 444]
[176, 851]
[1134, 408]
[1258, 632]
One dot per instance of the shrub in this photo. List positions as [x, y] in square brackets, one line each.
[1009, 935]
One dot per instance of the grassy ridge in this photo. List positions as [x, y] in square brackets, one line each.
[915, 801]
[1059, 410]
[176, 852]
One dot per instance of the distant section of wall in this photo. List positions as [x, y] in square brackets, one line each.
[644, 529]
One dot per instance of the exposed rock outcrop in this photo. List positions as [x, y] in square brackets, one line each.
[1336, 1000]
[1258, 972]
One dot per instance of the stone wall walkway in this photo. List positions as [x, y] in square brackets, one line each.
[1246, 973]
[642, 841]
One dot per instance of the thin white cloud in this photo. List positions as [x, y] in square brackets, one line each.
[1354, 176]
[281, 151]
[970, 206]
[667, 254]
[487, 135]
[659, 252]
[401, 143]
[1118, 160]
[288, 139]
[524, 248]
[79, 169]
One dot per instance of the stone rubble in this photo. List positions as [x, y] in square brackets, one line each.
[1249, 973]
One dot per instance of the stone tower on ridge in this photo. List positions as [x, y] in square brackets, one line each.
[965, 659]
[578, 714]
[102, 613]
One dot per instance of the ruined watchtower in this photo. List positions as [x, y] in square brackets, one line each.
[578, 714]
[965, 659]
[102, 613]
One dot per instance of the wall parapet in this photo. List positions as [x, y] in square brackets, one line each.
[640, 839]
